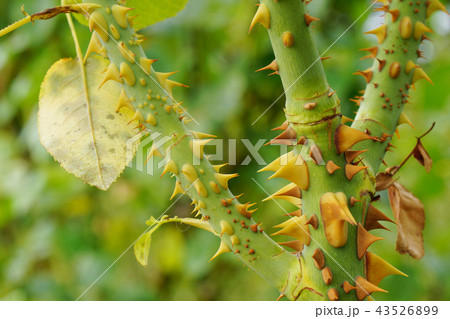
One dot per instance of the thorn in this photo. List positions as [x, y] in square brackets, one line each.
[377, 269]
[365, 288]
[170, 167]
[272, 66]
[373, 216]
[345, 137]
[198, 145]
[403, 119]
[146, 64]
[98, 23]
[331, 167]
[372, 50]
[127, 73]
[309, 19]
[380, 33]
[351, 155]
[178, 190]
[223, 248]
[93, 47]
[262, 16]
[335, 216]
[394, 13]
[352, 170]
[363, 240]
[112, 73]
[224, 178]
[420, 29]
[419, 74]
[295, 171]
[295, 227]
[367, 74]
[119, 14]
[318, 259]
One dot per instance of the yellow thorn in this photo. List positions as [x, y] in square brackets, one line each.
[124, 102]
[201, 135]
[127, 73]
[214, 187]
[420, 29]
[234, 240]
[178, 189]
[295, 227]
[226, 228]
[98, 23]
[170, 167]
[201, 189]
[419, 73]
[223, 248]
[262, 16]
[197, 146]
[120, 14]
[162, 77]
[403, 119]
[295, 171]
[345, 137]
[189, 171]
[151, 119]
[224, 178]
[377, 268]
[409, 66]
[218, 167]
[380, 33]
[153, 152]
[93, 47]
[146, 64]
[126, 53]
[335, 216]
[112, 73]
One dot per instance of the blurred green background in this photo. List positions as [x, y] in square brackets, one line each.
[57, 235]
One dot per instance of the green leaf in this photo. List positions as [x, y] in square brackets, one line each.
[151, 11]
[142, 248]
[78, 124]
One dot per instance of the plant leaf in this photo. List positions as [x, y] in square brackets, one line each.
[151, 11]
[81, 130]
[422, 156]
[142, 248]
[410, 216]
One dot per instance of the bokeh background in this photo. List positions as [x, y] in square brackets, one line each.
[58, 235]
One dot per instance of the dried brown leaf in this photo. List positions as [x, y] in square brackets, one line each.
[410, 216]
[384, 181]
[422, 156]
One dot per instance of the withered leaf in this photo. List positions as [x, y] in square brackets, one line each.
[410, 216]
[422, 156]
[383, 181]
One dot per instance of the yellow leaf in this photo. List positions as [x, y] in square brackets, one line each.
[78, 124]
[142, 248]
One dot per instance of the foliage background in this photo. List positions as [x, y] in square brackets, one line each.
[57, 235]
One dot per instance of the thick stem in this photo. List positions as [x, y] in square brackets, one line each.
[151, 97]
[392, 74]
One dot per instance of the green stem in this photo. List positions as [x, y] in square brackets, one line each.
[217, 204]
[386, 96]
